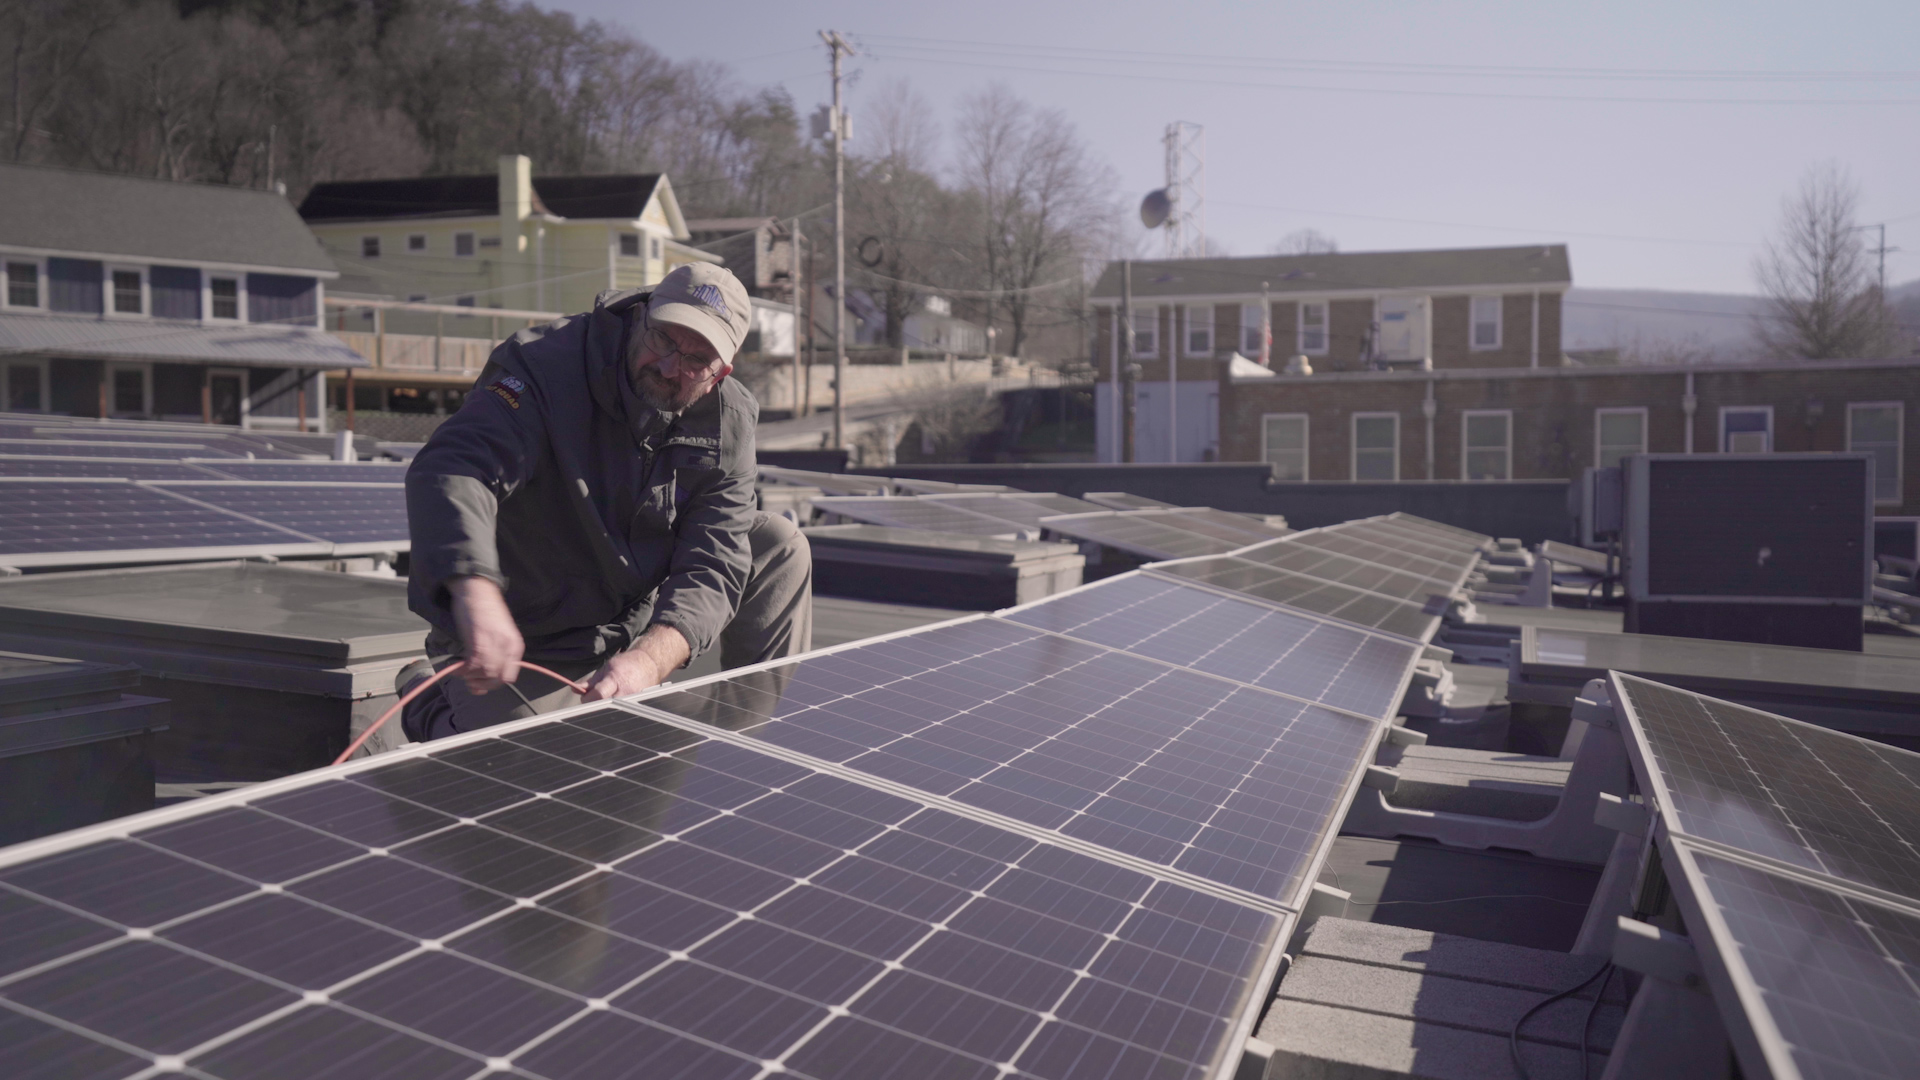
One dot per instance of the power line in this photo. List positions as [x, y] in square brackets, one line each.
[1030, 69]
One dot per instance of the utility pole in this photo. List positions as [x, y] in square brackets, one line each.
[1123, 407]
[837, 47]
[799, 283]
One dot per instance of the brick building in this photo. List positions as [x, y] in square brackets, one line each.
[1345, 312]
[1552, 422]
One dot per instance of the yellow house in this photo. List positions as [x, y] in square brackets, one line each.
[511, 241]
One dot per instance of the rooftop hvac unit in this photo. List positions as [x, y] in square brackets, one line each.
[1595, 503]
[1770, 548]
[1896, 544]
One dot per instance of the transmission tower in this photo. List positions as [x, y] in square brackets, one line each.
[1186, 190]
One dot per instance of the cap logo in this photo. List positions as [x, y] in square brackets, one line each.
[710, 296]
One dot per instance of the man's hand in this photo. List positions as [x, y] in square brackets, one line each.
[494, 645]
[658, 653]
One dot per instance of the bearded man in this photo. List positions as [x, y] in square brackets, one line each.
[591, 508]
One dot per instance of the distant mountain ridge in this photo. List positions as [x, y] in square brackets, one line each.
[1660, 325]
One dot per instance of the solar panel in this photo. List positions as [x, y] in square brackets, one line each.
[332, 472]
[1427, 524]
[1027, 510]
[906, 512]
[1821, 800]
[604, 895]
[1836, 973]
[1238, 639]
[1380, 534]
[1332, 566]
[1140, 533]
[52, 468]
[1370, 551]
[105, 449]
[1233, 784]
[1120, 500]
[831, 483]
[77, 522]
[1447, 542]
[1229, 524]
[1308, 593]
[343, 514]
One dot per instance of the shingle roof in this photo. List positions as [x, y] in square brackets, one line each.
[253, 344]
[1462, 268]
[624, 197]
[132, 216]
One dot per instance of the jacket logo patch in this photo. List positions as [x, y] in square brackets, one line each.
[508, 389]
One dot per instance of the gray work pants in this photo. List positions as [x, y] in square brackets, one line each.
[774, 619]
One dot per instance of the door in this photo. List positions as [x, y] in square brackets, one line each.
[226, 397]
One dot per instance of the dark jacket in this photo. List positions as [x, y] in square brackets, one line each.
[597, 514]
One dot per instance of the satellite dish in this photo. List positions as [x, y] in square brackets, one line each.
[1155, 208]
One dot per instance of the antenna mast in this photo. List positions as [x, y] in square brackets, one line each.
[1186, 226]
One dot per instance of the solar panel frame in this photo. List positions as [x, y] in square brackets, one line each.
[317, 472]
[1121, 500]
[1173, 919]
[909, 512]
[246, 536]
[1027, 508]
[103, 448]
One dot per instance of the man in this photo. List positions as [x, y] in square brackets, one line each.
[591, 508]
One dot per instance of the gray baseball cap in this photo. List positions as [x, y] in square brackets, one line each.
[706, 299]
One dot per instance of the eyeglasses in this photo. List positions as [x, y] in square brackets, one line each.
[661, 344]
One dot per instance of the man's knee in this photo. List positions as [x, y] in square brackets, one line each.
[777, 545]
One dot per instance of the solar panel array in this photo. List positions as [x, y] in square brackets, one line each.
[1063, 842]
[91, 521]
[906, 512]
[293, 505]
[1023, 508]
[1801, 848]
[1149, 534]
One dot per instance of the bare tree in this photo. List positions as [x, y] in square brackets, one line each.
[1822, 301]
[1305, 242]
[899, 212]
[1040, 199]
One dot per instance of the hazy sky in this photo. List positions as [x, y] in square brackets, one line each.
[1655, 138]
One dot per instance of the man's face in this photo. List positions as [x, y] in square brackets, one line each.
[673, 367]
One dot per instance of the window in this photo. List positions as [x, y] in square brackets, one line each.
[1253, 330]
[26, 385]
[1283, 444]
[489, 241]
[1486, 323]
[225, 293]
[1376, 446]
[1746, 430]
[1146, 331]
[464, 301]
[369, 247]
[463, 244]
[1486, 445]
[417, 242]
[23, 284]
[417, 298]
[1875, 428]
[1199, 329]
[1313, 328]
[127, 298]
[1616, 434]
[656, 247]
[630, 245]
[128, 390]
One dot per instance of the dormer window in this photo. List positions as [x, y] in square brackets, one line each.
[127, 293]
[23, 284]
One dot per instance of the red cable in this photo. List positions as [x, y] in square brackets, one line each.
[457, 665]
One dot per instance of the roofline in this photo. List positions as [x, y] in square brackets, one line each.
[440, 219]
[1113, 300]
[1463, 374]
[257, 268]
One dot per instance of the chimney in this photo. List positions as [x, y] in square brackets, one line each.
[516, 199]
